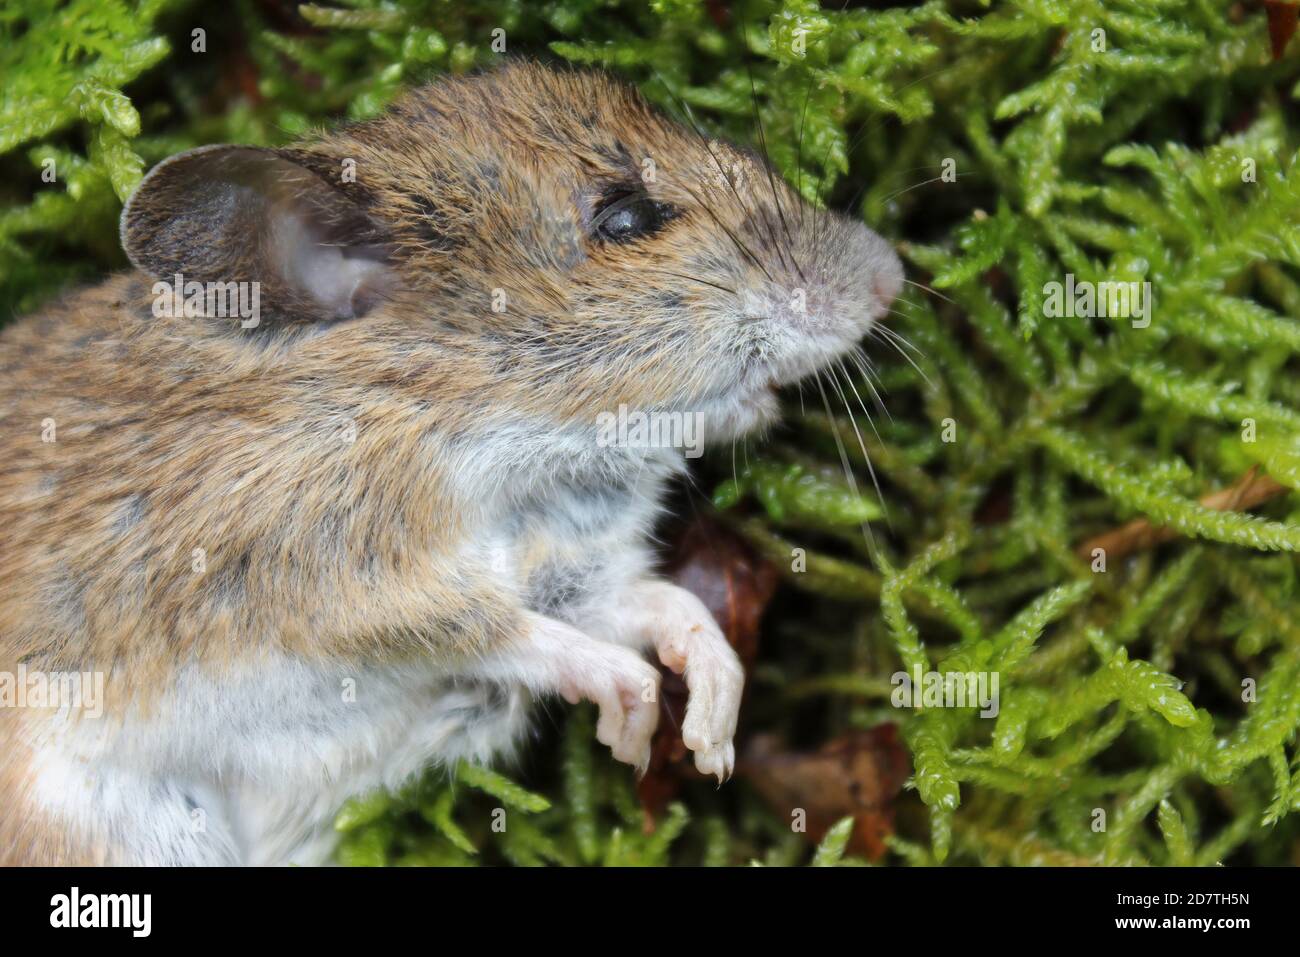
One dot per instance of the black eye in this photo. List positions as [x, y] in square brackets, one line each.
[630, 216]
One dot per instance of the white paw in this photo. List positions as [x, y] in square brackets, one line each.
[690, 643]
[626, 689]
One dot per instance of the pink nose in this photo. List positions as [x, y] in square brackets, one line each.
[886, 286]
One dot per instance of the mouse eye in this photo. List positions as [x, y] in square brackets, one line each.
[629, 216]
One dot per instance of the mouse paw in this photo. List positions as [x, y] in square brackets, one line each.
[550, 655]
[690, 643]
[625, 687]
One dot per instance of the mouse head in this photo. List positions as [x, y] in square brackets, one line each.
[571, 249]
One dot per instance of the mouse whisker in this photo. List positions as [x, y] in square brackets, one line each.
[734, 238]
[843, 452]
[908, 189]
[932, 291]
[905, 301]
[861, 404]
[798, 157]
[722, 169]
[689, 278]
[898, 342]
[762, 142]
[867, 371]
[897, 338]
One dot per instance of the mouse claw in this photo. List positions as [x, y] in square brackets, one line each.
[716, 759]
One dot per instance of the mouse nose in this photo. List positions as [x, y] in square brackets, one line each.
[876, 270]
[886, 289]
[887, 282]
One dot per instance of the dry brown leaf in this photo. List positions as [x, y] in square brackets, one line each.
[1281, 24]
[859, 773]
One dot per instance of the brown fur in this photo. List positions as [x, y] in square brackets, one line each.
[26, 836]
[173, 435]
[176, 434]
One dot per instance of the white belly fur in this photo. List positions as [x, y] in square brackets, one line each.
[252, 768]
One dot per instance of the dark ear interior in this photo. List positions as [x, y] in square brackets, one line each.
[243, 214]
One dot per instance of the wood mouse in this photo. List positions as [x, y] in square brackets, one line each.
[339, 508]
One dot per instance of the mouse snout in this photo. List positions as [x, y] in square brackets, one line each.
[887, 281]
[843, 278]
[862, 276]
[876, 270]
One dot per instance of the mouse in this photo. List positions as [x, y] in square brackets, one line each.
[321, 493]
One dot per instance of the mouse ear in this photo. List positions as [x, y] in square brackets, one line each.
[222, 214]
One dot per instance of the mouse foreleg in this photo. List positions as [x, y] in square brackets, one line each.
[553, 657]
[676, 624]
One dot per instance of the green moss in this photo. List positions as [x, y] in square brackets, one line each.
[1159, 150]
